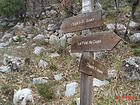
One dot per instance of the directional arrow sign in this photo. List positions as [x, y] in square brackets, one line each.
[92, 67]
[82, 21]
[101, 41]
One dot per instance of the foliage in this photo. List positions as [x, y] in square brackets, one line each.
[9, 7]
[46, 90]
[137, 51]
[19, 38]
[53, 66]
[106, 4]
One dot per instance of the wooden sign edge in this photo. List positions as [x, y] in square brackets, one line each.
[61, 28]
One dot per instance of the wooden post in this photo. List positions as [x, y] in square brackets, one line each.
[86, 84]
[86, 87]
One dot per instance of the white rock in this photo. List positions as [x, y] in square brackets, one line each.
[3, 44]
[6, 37]
[30, 36]
[51, 27]
[40, 80]
[53, 12]
[99, 55]
[43, 63]
[95, 89]
[70, 89]
[112, 74]
[69, 35]
[47, 36]
[135, 38]
[78, 55]
[21, 97]
[5, 69]
[54, 40]
[39, 38]
[33, 44]
[58, 77]
[60, 32]
[28, 29]
[38, 50]
[99, 83]
[132, 24]
[19, 26]
[44, 21]
[120, 27]
[46, 32]
[52, 55]
[15, 63]
[15, 38]
[63, 41]
[20, 47]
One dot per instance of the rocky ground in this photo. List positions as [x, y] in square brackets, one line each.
[39, 58]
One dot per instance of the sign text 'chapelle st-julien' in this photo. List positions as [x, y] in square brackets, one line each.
[82, 21]
[100, 41]
[92, 67]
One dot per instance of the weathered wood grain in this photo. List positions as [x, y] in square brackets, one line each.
[100, 41]
[92, 67]
[82, 21]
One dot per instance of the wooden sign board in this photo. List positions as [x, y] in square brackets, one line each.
[92, 67]
[82, 21]
[96, 42]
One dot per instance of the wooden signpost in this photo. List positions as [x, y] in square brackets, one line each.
[82, 21]
[92, 67]
[100, 41]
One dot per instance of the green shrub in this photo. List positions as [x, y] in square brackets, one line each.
[10, 7]
[136, 51]
[46, 90]
[53, 66]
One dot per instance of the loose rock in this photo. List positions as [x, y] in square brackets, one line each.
[51, 27]
[131, 68]
[5, 69]
[63, 41]
[58, 77]
[38, 50]
[40, 80]
[70, 89]
[39, 39]
[99, 83]
[43, 63]
[112, 74]
[54, 40]
[120, 27]
[135, 38]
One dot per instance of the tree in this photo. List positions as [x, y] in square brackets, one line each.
[10, 7]
[133, 4]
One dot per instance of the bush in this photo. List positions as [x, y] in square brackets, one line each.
[137, 52]
[46, 90]
[10, 7]
[53, 66]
